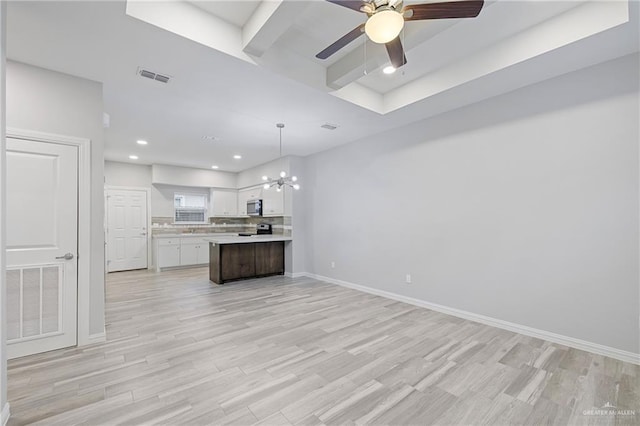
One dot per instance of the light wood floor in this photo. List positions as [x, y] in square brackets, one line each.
[183, 351]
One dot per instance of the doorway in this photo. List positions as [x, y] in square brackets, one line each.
[127, 229]
[42, 246]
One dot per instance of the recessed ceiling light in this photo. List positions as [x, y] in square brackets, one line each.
[214, 167]
[141, 142]
[133, 157]
[389, 69]
[237, 157]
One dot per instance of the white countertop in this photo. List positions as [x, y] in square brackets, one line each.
[196, 235]
[252, 239]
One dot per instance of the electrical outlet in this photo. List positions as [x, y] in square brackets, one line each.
[333, 264]
[408, 279]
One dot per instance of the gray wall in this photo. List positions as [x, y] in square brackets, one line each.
[3, 322]
[299, 216]
[47, 101]
[523, 208]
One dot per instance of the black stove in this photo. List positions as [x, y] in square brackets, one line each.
[264, 229]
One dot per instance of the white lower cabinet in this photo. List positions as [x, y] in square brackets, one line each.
[188, 254]
[181, 252]
[203, 252]
[168, 254]
[194, 251]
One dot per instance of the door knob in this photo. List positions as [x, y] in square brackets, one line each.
[67, 256]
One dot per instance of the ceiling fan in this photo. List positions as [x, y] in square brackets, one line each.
[386, 19]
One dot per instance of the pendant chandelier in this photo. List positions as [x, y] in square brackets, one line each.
[283, 179]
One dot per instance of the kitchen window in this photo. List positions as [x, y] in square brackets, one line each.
[190, 208]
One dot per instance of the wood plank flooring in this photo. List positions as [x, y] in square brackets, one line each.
[280, 351]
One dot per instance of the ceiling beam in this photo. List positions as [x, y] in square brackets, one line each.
[268, 22]
[352, 66]
[187, 20]
[362, 96]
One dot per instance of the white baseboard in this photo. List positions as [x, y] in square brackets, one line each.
[6, 413]
[96, 338]
[584, 345]
[295, 274]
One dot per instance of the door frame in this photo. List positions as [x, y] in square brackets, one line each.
[84, 222]
[107, 188]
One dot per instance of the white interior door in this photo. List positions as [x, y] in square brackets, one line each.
[42, 246]
[126, 229]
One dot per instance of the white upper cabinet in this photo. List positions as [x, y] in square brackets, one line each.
[272, 202]
[224, 202]
[245, 195]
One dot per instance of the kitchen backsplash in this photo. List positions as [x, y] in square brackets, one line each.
[164, 225]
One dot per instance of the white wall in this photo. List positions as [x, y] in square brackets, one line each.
[162, 198]
[175, 179]
[51, 102]
[125, 174]
[4, 404]
[187, 176]
[271, 169]
[523, 208]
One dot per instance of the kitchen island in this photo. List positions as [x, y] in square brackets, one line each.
[237, 258]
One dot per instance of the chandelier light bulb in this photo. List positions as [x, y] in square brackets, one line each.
[283, 174]
[266, 186]
[296, 186]
[384, 26]
[265, 178]
[294, 178]
[278, 189]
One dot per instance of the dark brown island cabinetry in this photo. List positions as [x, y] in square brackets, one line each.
[230, 262]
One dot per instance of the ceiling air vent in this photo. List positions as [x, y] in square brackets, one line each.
[162, 78]
[153, 75]
[329, 126]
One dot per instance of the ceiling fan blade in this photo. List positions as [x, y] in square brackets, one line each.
[396, 53]
[445, 10]
[342, 42]
[350, 4]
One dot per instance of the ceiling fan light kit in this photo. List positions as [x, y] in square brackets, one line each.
[384, 26]
[283, 180]
[386, 20]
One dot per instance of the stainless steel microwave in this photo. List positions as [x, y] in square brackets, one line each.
[254, 207]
